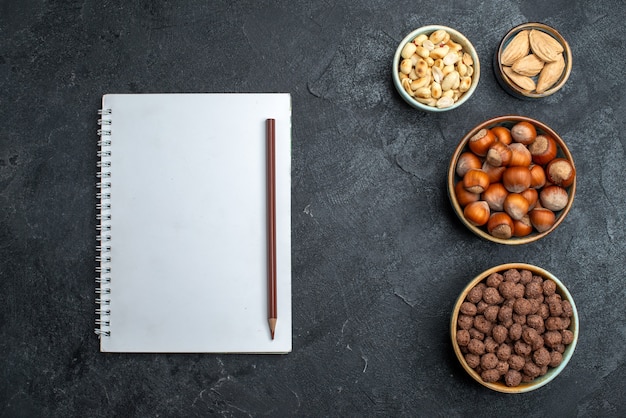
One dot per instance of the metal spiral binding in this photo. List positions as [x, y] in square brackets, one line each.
[103, 227]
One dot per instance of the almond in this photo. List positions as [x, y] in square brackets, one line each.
[550, 74]
[523, 81]
[516, 49]
[544, 46]
[529, 65]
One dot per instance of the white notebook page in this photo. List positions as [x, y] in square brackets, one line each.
[188, 223]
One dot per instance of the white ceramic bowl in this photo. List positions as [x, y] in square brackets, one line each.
[455, 36]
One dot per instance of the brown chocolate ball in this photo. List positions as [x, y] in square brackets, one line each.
[468, 308]
[533, 290]
[531, 369]
[465, 321]
[507, 290]
[552, 338]
[554, 324]
[491, 313]
[499, 333]
[494, 280]
[529, 335]
[474, 333]
[556, 308]
[519, 319]
[522, 306]
[536, 322]
[476, 347]
[502, 367]
[526, 276]
[519, 290]
[512, 378]
[555, 358]
[490, 345]
[463, 337]
[476, 294]
[541, 357]
[568, 310]
[544, 311]
[504, 352]
[512, 275]
[482, 324]
[549, 287]
[488, 361]
[568, 336]
[515, 332]
[481, 306]
[472, 360]
[516, 362]
[490, 376]
[505, 313]
[522, 348]
[491, 296]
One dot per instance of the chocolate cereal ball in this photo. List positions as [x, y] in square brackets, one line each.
[490, 376]
[544, 311]
[556, 308]
[568, 337]
[507, 290]
[499, 333]
[468, 308]
[472, 360]
[490, 345]
[536, 322]
[552, 338]
[502, 367]
[519, 290]
[549, 287]
[516, 362]
[465, 321]
[531, 369]
[494, 280]
[533, 290]
[555, 358]
[491, 296]
[541, 357]
[474, 333]
[526, 276]
[554, 324]
[515, 332]
[488, 361]
[476, 347]
[512, 275]
[475, 295]
[522, 348]
[568, 310]
[505, 313]
[491, 313]
[463, 337]
[482, 324]
[522, 306]
[512, 378]
[504, 352]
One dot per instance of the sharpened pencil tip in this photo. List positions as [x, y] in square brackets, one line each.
[272, 322]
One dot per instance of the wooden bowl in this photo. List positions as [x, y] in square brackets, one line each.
[552, 372]
[514, 89]
[453, 178]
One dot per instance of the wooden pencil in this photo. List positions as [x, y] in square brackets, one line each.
[271, 226]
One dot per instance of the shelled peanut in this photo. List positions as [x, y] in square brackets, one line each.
[435, 70]
[511, 181]
[533, 60]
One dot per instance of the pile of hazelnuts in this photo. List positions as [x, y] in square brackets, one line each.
[513, 327]
[512, 180]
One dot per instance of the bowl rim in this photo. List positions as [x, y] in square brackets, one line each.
[553, 372]
[456, 35]
[498, 120]
[518, 91]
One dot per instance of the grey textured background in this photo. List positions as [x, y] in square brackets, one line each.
[378, 255]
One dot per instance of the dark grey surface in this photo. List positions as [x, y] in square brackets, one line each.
[378, 255]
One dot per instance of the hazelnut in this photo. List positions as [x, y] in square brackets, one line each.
[481, 141]
[524, 132]
[477, 213]
[516, 179]
[467, 161]
[561, 172]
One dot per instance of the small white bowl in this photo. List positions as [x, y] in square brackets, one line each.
[454, 36]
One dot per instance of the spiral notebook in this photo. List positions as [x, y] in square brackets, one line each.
[182, 239]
